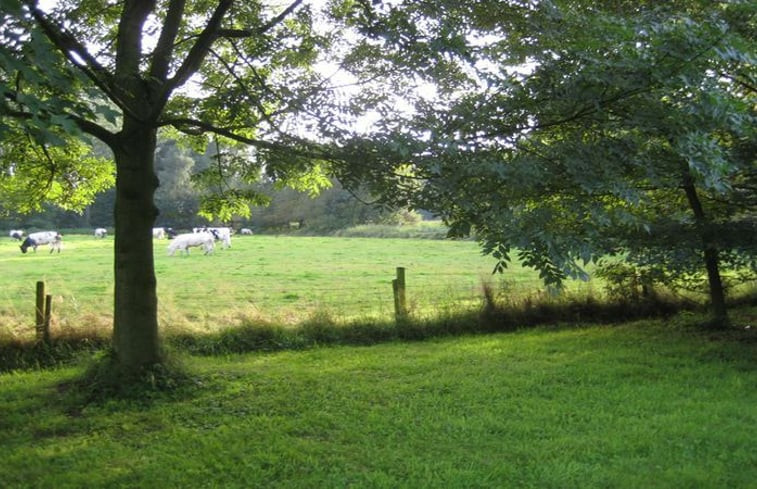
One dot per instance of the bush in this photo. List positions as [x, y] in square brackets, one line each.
[19, 354]
[629, 282]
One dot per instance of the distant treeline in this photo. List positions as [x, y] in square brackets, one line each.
[179, 201]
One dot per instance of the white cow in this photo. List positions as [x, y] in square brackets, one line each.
[54, 238]
[183, 242]
[16, 234]
[101, 232]
[245, 232]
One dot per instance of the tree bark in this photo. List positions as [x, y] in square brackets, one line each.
[135, 329]
[717, 291]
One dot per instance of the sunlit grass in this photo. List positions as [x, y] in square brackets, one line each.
[648, 404]
[277, 278]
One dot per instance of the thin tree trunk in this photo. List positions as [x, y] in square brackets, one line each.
[717, 291]
[711, 254]
[135, 329]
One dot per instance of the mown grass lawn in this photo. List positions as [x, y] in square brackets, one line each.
[647, 404]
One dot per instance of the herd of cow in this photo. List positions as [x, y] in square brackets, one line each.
[204, 237]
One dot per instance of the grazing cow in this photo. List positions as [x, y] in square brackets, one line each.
[101, 232]
[16, 234]
[54, 238]
[223, 235]
[162, 233]
[220, 234]
[183, 242]
[245, 232]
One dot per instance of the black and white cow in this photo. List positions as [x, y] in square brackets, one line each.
[53, 238]
[163, 233]
[220, 234]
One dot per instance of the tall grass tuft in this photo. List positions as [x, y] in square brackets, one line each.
[492, 316]
[18, 353]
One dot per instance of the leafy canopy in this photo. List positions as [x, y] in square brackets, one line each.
[564, 132]
[232, 74]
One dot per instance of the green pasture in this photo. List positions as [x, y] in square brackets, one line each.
[650, 404]
[279, 278]
[653, 403]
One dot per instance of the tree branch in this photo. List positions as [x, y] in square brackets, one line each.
[196, 127]
[77, 54]
[196, 55]
[241, 33]
[85, 125]
[742, 83]
[129, 38]
[279, 18]
[164, 49]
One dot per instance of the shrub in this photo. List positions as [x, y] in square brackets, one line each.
[626, 281]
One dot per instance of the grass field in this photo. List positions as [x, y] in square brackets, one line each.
[278, 278]
[647, 404]
[653, 403]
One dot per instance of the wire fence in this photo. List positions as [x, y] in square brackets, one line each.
[350, 298]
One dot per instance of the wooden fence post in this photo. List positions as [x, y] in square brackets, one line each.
[42, 313]
[400, 303]
[48, 315]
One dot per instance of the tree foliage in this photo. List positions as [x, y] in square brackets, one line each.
[561, 131]
[564, 132]
[44, 157]
[120, 72]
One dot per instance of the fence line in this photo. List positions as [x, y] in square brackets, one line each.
[353, 299]
[344, 295]
[343, 301]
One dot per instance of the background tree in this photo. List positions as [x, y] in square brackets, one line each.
[332, 209]
[176, 197]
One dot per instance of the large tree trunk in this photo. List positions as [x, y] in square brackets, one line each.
[135, 329]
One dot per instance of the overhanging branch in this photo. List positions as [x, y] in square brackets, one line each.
[74, 52]
[78, 56]
[299, 147]
[279, 18]
[85, 125]
[242, 33]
